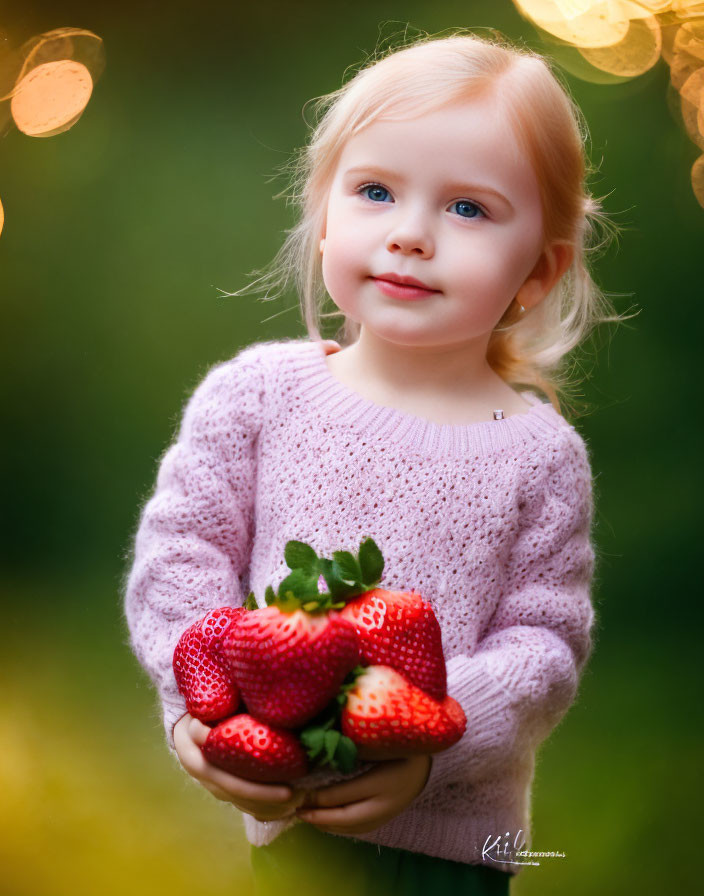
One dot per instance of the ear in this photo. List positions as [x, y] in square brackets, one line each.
[552, 264]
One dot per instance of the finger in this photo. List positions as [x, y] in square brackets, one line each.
[378, 779]
[249, 790]
[345, 792]
[359, 813]
[198, 732]
[350, 829]
[241, 788]
[256, 813]
[265, 815]
[257, 810]
[217, 792]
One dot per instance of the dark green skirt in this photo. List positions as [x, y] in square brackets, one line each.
[321, 863]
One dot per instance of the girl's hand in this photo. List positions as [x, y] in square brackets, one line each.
[368, 801]
[265, 802]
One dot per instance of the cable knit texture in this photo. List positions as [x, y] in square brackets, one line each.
[489, 521]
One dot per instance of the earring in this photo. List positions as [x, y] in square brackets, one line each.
[521, 307]
[322, 243]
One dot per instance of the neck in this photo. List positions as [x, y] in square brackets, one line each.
[459, 369]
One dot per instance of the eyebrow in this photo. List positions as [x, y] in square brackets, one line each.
[450, 185]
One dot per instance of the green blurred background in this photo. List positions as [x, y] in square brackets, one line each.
[118, 234]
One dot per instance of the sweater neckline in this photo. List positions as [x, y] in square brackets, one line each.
[319, 386]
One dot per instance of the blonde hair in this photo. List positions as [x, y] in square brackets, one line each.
[525, 348]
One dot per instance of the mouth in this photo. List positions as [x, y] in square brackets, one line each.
[403, 287]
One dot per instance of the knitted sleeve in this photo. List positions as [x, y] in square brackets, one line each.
[524, 673]
[194, 534]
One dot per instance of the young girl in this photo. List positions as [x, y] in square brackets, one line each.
[444, 212]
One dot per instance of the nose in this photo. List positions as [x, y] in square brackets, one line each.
[411, 235]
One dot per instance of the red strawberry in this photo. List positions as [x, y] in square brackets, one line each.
[289, 665]
[400, 629]
[201, 675]
[385, 712]
[246, 747]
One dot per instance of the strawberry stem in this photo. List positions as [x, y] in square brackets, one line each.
[345, 575]
[322, 738]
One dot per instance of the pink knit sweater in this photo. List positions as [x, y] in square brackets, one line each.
[489, 521]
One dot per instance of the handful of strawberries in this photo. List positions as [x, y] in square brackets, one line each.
[319, 679]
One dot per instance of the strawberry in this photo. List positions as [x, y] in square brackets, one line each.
[400, 629]
[202, 677]
[248, 748]
[395, 628]
[289, 665]
[385, 712]
[290, 657]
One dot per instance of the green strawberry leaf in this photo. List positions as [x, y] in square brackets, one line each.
[269, 596]
[340, 590]
[346, 754]
[327, 573]
[342, 586]
[251, 602]
[313, 739]
[314, 732]
[299, 555]
[332, 738]
[288, 604]
[324, 742]
[347, 568]
[300, 583]
[371, 562]
[346, 686]
[300, 590]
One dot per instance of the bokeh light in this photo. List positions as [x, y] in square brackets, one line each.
[46, 84]
[610, 41]
[584, 23]
[50, 78]
[636, 53]
[51, 98]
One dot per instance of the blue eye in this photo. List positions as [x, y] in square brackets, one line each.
[470, 207]
[374, 191]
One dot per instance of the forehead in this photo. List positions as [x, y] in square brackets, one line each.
[468, 139]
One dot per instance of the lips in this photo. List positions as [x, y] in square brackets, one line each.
[408, 288]
[405, 281]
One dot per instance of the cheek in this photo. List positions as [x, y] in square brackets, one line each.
[345, 260]
[338, 273]
[485, 266]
